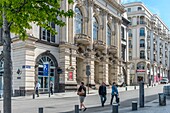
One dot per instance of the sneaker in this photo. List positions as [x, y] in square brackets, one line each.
[84, 109]
[79, 109]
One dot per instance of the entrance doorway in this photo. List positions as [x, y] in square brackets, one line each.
[44, 80]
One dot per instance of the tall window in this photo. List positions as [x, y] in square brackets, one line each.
[142, 32]
[130, 55]
[78, 21]
[142, 54]
[46, 35]
[130, 43]
[122, 32]
[95, 29]
[129, 9]
[142, 43]
[130, 33]
[108, 35]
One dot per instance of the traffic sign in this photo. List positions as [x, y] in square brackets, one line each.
[45, 69]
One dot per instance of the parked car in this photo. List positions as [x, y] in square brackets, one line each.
[164, 81]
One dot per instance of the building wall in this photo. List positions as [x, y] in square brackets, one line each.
[155, 36]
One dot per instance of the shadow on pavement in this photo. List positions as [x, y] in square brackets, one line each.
[123, 104]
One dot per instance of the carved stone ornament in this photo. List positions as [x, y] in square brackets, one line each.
[70, 69]
[110, 19]
[96, 10]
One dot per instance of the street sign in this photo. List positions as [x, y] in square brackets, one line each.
[59, 71]
[45, 69]
[88, 70]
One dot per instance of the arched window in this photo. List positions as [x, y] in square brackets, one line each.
[142, 54]
[142, 43]
[43, 77]
[108, 36]
[142, 32]
[78, 21]
[95, 29]
[141, 66]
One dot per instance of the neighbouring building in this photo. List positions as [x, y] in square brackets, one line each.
[92, 37]
[149, 44]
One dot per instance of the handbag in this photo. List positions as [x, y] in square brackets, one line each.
[81, 93]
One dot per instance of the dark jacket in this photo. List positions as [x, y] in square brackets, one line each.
[82, 88]
[102, 90]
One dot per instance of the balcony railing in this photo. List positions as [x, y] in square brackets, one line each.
[83, 39]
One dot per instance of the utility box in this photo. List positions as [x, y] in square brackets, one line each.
[162, 99]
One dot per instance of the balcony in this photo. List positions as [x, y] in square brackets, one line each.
[112, 49]
[82, 39]
[100, 45]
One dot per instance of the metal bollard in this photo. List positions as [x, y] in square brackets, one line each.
[40, 110]
[76, 108]
[134, 87]
[134, 105]
[33, 96]
[126, 88]
[115, 108]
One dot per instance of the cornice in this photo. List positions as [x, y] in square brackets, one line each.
[120, 7]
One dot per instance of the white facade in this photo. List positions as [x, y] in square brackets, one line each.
[148, 44]
[91, 37]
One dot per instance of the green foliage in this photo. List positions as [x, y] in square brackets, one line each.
[20, 13]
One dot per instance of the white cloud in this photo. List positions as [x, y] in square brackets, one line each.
[127, 1]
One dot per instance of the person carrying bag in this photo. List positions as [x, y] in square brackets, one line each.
[82, 94]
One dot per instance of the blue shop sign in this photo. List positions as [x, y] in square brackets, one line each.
[45, 69]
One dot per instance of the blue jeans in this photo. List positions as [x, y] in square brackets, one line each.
[103, 99]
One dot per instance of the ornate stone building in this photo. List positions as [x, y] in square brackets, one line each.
[149, 44]
[91, 37]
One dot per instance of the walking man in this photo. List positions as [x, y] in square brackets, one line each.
[37, 86]
[102, 93]
[82, 94]
[114, 93]
[51, 87]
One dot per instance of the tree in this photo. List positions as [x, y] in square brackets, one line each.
[16, 18]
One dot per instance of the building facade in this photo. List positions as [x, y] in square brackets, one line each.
[148, 45]
[91, 37]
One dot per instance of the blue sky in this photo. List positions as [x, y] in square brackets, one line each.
[159, 7]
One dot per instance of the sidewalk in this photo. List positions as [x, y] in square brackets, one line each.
[150, 107]
[74, 93]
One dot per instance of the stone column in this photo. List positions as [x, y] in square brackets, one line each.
[101, 72]
[92, 70]
[71, 27]
[107, 74]
[64, 30]
[104, 19]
